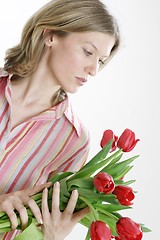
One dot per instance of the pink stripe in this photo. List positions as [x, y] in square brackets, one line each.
[4, 112]
[21, 172]
[14, 152]
[62, 151]
[4, 130]
[48, 152]
[73, 156]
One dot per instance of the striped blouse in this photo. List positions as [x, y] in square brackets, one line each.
[52, 141]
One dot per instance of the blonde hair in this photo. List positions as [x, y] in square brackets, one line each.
[59, 17]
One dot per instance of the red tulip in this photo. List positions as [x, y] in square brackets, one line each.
[108, 135]
[127, 229]
[103, 182]
[124, 195]
[100, 231]
[127, 141]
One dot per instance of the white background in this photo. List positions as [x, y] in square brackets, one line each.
[124, 95]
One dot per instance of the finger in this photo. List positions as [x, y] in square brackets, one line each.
[56, 198]
[38, 188]
[13, 218]
[45, 209]
[35, 210]
[81, 214]
[72, 202]
[23, 214]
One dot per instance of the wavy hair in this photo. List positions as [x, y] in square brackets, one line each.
[59, 17]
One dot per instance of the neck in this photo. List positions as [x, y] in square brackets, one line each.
[37, 88]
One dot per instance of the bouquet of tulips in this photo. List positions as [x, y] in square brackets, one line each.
[102, 188]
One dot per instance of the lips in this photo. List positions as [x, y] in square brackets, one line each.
[81, 81]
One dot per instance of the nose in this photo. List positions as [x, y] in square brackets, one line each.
[92, 69]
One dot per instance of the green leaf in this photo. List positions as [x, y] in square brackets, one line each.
[121, 174]
[5, 229]
[59, 176]
[87, 235]
[80, 183]
[111, 207]
[95, 197]
[109, 214]
[31, 232]
[145, 229]
[119, 182]
[64, 189]
[118, 167]
[113, 161]
[37, 196]
[109, 221]
[99, 156]
[87, 172]
[2, 215]
[85, 222]
[4, 224]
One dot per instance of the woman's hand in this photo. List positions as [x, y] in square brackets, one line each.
[56, 224]
[16, 201]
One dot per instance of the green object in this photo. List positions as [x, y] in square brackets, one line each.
[31, 232]
[103, 207]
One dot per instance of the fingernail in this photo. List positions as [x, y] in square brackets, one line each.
[56, 184]
[75, 191]
[40, 221]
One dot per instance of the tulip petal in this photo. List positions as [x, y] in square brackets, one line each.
[127, 140]
[128, 229]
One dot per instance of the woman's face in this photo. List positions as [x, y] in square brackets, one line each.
[72, 59]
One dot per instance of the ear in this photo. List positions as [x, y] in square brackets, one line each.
[49, 38]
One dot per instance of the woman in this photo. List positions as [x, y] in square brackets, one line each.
[62, 44]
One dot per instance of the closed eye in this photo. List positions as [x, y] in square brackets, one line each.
[87, 52]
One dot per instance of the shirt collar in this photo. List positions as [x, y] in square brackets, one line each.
[63, 107]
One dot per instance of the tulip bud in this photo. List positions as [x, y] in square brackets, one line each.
[100, 231]
[108, 135]
[124, 195]
[103, 182]
[127, 141]
[129, 230]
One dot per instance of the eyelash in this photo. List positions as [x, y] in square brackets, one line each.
[90, 54]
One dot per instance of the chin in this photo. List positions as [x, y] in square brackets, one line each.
[72, 91]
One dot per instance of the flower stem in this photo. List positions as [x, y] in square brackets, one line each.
[93, 211]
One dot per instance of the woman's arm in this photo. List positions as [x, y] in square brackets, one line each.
[17, 201]
[56, 224]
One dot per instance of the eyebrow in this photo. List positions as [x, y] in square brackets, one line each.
[92, 45]
[95, 47]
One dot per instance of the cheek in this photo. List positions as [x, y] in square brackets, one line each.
[67, 59]
[73, 59]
